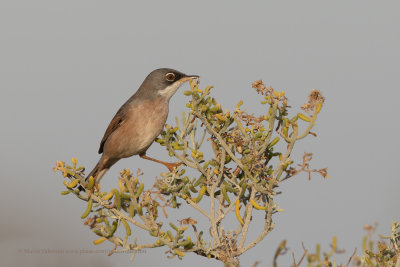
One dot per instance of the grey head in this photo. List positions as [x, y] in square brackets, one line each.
[163, 82]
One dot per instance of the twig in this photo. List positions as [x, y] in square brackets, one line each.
[351, 257]
[221, 141]
[194, 205]
[271, 123]
[214, 231]
[304, 254]
[249, 211]
[268, 226]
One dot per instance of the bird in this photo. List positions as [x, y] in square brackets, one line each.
[139, 121]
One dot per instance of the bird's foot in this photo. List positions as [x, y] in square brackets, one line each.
[84, 187]
[171, 166]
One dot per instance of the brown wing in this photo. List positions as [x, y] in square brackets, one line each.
[114, 124]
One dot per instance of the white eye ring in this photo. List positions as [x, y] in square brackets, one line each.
[170, 77]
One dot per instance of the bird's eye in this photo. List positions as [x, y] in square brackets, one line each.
[170, 77]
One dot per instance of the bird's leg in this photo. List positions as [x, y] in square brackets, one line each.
[170, 166]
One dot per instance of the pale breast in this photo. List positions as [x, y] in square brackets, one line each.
[144, 122]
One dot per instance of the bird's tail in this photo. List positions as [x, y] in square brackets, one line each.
[97, 172]
[93, 172]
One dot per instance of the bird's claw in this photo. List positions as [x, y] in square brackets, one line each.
[171, 166]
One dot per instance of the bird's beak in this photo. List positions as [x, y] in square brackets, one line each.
[190, 77]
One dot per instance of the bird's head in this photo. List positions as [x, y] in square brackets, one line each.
[164, 82]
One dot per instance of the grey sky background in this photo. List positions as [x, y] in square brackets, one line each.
[67, 66]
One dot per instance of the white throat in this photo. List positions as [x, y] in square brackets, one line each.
[169, 91]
